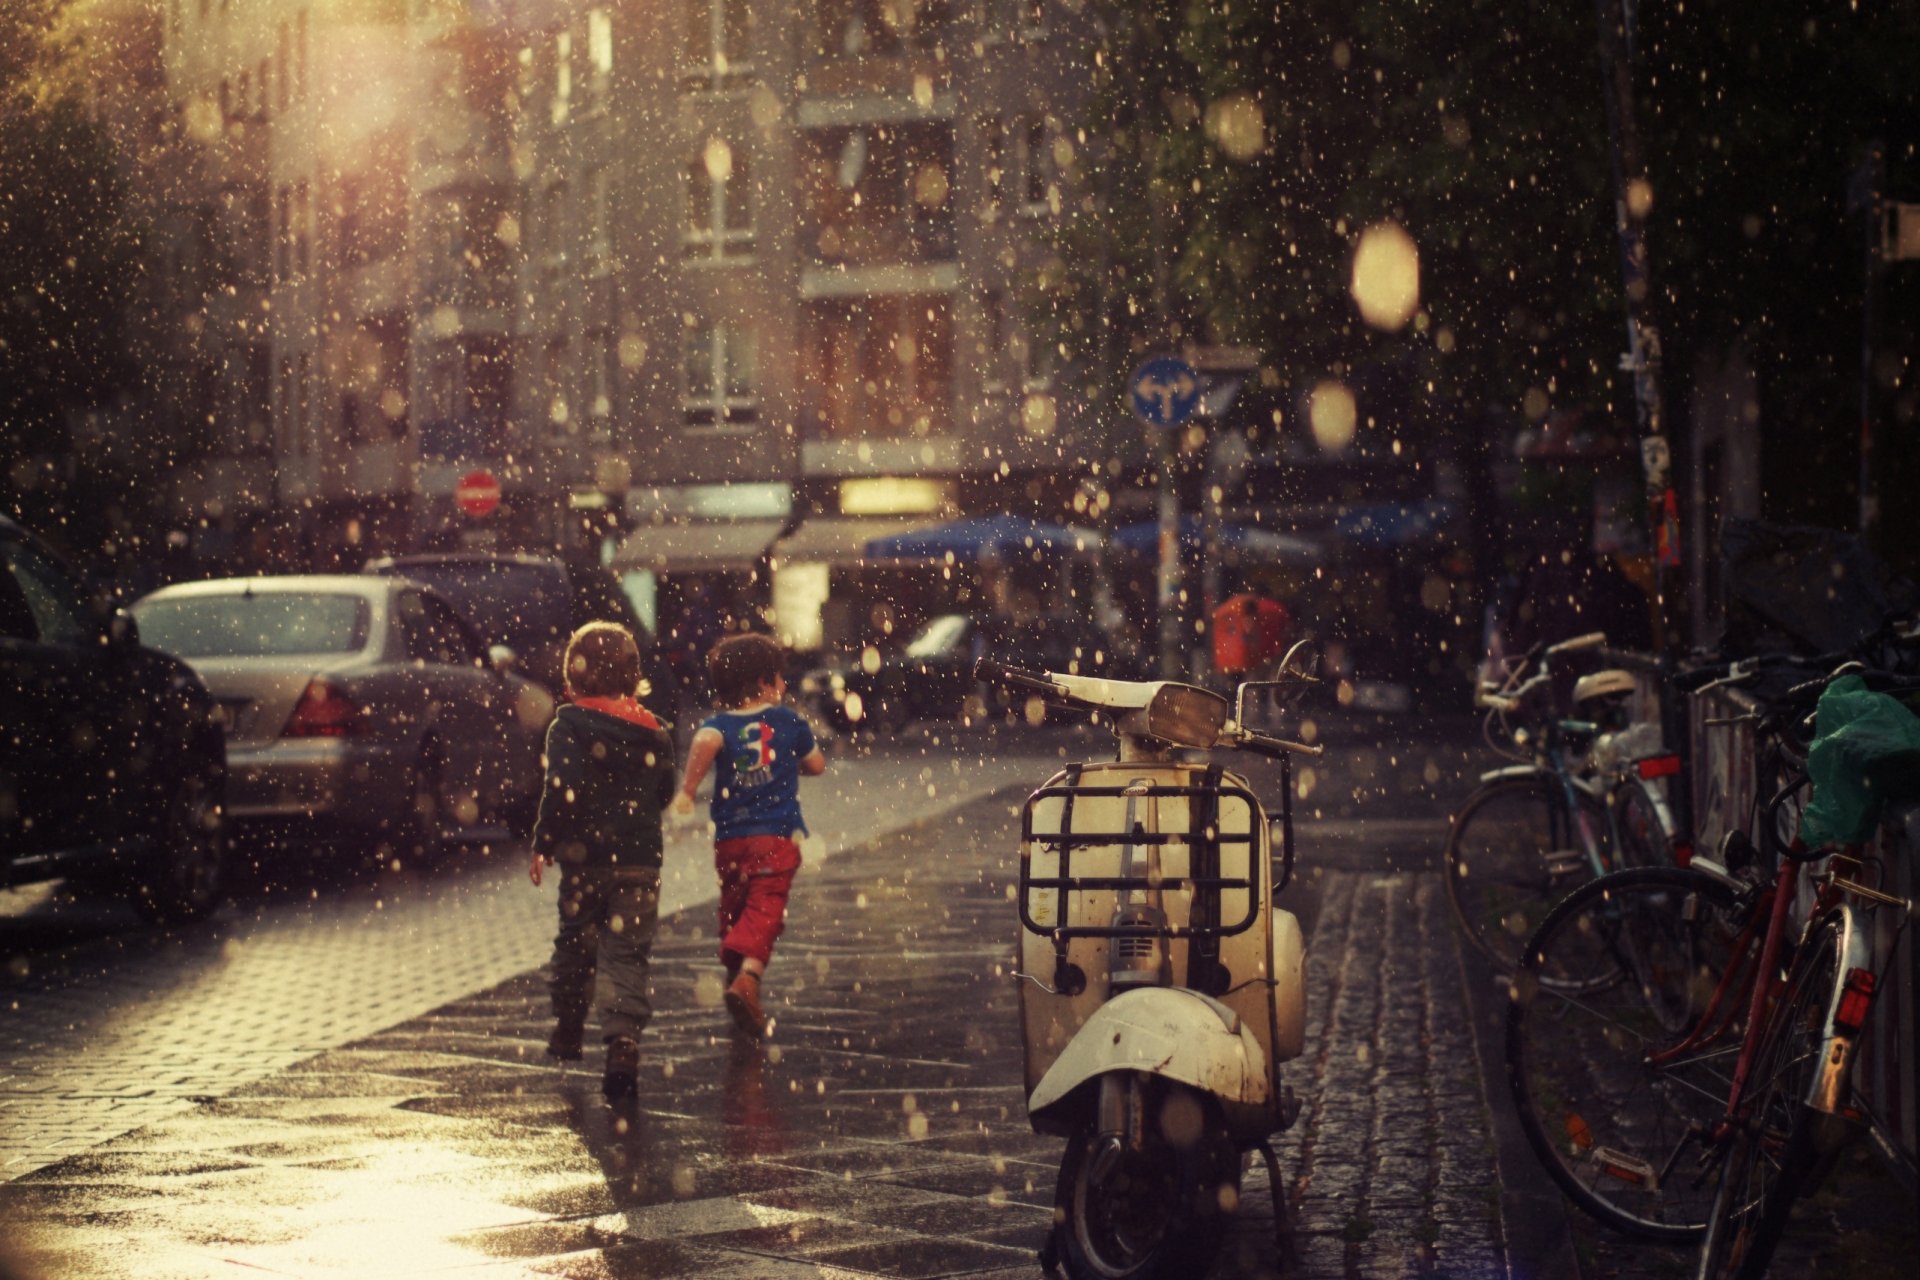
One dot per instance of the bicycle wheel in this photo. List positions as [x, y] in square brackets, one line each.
[1607, 997]
[1641, 838]
[1513, 851]
[1771, 1157]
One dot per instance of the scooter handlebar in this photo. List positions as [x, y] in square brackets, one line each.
[1014, 678]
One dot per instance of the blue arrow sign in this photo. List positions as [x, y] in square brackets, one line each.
[1166, 391]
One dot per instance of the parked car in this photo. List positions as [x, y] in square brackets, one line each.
[532, 604]
[932, 676]
[113, 768]
[357, 706]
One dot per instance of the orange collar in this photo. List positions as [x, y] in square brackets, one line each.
[620, 708]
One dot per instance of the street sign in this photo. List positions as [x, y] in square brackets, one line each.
[478, 493]
[1166, 391]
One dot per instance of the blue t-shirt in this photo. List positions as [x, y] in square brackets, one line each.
[756, 776]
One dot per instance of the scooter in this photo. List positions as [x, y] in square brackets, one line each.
[1161, 987]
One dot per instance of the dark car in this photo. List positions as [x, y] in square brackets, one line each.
[931, 678]
[532, 604]
[113, 766]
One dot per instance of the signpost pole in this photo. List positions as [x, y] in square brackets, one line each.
[1169, 575]
[1166, 392]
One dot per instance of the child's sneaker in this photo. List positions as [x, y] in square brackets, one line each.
[621, 1083]
[743, 1002]
[564, 1044]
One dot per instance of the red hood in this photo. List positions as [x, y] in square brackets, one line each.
[621, 708]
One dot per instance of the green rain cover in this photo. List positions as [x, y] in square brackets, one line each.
[1866, 752]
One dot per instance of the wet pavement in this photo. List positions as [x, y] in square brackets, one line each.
[106, 1025]
[880, 1132]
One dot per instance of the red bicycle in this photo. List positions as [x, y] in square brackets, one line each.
[1680, 1040]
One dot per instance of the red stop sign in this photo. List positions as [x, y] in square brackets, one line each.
[478, 493]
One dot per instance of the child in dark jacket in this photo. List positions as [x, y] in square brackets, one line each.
[610, 774]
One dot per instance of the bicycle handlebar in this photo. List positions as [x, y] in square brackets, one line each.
[1591, 640]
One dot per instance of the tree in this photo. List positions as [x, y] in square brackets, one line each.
[66, 251]
[1265, 139]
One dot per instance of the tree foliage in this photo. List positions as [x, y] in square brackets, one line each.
[1479, 127]
[66, 251]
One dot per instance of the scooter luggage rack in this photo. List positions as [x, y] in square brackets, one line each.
[1063, 843]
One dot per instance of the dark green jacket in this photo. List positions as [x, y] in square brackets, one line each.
[608, 781]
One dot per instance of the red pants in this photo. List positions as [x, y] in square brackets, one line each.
[756, 873]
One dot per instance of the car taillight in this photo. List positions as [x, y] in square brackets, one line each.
[323, 712]
[1658, 767]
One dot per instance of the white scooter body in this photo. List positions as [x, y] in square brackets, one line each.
[1162, 989]
[1230, 1044]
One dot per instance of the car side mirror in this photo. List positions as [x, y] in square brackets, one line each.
[501, 658]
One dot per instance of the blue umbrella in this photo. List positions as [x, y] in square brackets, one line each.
[982, 538]
[1391, 524]
[1243, 540]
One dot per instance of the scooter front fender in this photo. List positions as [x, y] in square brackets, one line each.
[1161, 1031]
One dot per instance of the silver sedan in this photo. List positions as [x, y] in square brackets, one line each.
[360, 706]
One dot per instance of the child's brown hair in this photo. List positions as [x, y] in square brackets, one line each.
[739, 665]
[602, 661]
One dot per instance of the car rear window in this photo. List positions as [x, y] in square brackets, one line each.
[512, 604]
[253, 624]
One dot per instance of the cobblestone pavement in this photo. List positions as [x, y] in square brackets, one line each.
[882, 1131]
[109, 1033]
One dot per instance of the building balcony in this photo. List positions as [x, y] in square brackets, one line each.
[920, 239]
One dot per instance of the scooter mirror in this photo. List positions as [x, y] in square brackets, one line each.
[1271, 706]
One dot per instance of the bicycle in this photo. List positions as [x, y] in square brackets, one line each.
[1533, 831]
[1670, 1091]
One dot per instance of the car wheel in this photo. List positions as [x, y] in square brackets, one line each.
[184, 878]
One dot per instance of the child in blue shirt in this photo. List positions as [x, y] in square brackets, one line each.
[758, 750]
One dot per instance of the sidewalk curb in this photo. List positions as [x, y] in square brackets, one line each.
[1533, 1213]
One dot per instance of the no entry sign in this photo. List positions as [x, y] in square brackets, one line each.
[478, 493]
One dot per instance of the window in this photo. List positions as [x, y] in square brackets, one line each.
[884, 364]
[562, 102]
[301, 221]
[601, 382]
[432, 632]
[1038, 359]
[717, 33]
[995, 132]
[56, 609]
[720, 361]
[553, 230]
[282, 234]
[719, 206]
[1017, 19]
[1035, 189]
[881, 193]
[300, 53]
[257, 624]
[303, 406]
[283, 59]
[599, 55]
[554, 383]
[857, 28]
[283, 424]
[599, 243]
[991, 350]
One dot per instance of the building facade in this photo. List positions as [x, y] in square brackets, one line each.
[712, 285]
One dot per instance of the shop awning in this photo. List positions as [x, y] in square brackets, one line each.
[1244, 542]
[839, 540]
[693, 546]
[982, 538]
